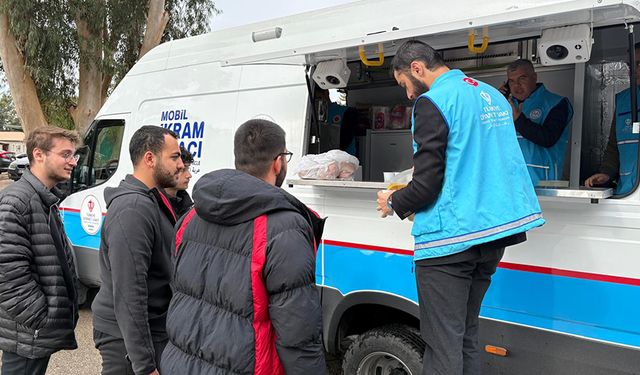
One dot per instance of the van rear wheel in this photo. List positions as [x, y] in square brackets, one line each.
[389, 350]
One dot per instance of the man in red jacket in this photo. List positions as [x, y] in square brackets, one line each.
[245, 300]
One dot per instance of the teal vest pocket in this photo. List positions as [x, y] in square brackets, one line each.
[427, 222]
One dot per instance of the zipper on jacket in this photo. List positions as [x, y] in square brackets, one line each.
[35, 334]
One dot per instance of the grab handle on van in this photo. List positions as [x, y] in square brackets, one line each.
[472, 40]
[367, 62]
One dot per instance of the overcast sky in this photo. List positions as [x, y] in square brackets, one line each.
[242, 12]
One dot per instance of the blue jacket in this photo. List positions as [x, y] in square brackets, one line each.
[627, 142]
[486, 194]
[544, 163]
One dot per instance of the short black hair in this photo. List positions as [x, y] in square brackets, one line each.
[148, 138]
[415, 50]
[186, 156]
[256, 144]
[521, 63]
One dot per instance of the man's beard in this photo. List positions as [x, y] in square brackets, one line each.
[164, 178]
[419, 88]
[283, 173]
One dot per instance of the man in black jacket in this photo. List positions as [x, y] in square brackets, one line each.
[38, 282]
[178, 196]
[135, 263]
[245, 300]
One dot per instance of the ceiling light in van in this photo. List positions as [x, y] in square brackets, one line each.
[565, 45]
[333, 74]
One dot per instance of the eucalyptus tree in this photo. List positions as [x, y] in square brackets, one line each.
[61, 58]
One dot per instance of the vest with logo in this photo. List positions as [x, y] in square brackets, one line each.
[627, 142]
[486, 193]
[544, 163]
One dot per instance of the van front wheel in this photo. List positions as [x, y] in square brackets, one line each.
[389, 350]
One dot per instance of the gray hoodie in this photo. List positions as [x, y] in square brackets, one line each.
[135, 270]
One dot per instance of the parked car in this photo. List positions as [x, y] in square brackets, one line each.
[17, 167]
[6, 157]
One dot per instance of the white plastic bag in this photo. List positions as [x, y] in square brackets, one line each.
[331, 165]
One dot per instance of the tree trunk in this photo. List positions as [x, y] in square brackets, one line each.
[23, 89]
[106, 83]
[157, 19]
[90, 78]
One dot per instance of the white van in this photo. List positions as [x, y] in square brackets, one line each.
[565, 302]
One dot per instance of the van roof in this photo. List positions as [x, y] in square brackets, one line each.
[330, 32]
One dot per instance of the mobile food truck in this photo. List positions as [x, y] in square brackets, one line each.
[567, 301]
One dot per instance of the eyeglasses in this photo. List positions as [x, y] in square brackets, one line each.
[287, 154]
[68, 156]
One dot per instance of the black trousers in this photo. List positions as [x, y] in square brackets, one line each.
[13, 364]
[114, 354]
[450, 295]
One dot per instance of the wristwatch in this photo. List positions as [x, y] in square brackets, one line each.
[390, 203]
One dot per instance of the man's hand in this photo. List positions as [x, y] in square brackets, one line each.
[155, 372]
[597, 179]
[383, 196]
[517, 111]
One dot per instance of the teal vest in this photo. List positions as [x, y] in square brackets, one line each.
[486, 193]
[627, 142]
[544, 163]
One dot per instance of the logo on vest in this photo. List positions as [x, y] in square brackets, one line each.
[486, 97]
[535, 114]
[470, 81]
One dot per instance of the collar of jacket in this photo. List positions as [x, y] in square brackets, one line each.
[48, 197]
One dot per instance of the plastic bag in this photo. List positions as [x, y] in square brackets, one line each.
[401, 180]
[331, 165]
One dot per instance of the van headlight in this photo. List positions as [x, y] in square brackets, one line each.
[13, 165]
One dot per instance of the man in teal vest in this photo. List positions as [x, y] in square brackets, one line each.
[471, 196]
[620, 161]
[541, 119]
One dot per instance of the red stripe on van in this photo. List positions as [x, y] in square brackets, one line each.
[267, 360]
[505, 265]
[569, 273]
[182, 228]
[368, 247]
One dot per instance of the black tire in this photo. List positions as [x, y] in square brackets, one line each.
[391, 344]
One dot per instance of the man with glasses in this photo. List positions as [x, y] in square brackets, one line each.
[38, 281]
[541, 119]
[244, 295]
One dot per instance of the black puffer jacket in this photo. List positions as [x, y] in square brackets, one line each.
[245, 300]
[38, 308]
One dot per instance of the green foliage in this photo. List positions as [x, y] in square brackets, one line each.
[8, 117]
[47, 35]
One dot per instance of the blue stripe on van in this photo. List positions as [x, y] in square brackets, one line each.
[594, 309]
[76, 234]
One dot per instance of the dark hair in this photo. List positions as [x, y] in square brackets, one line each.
[148, 138]
[186, 156]
[415, 50]
[256, 144]
[521, 63]
[43, 137]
